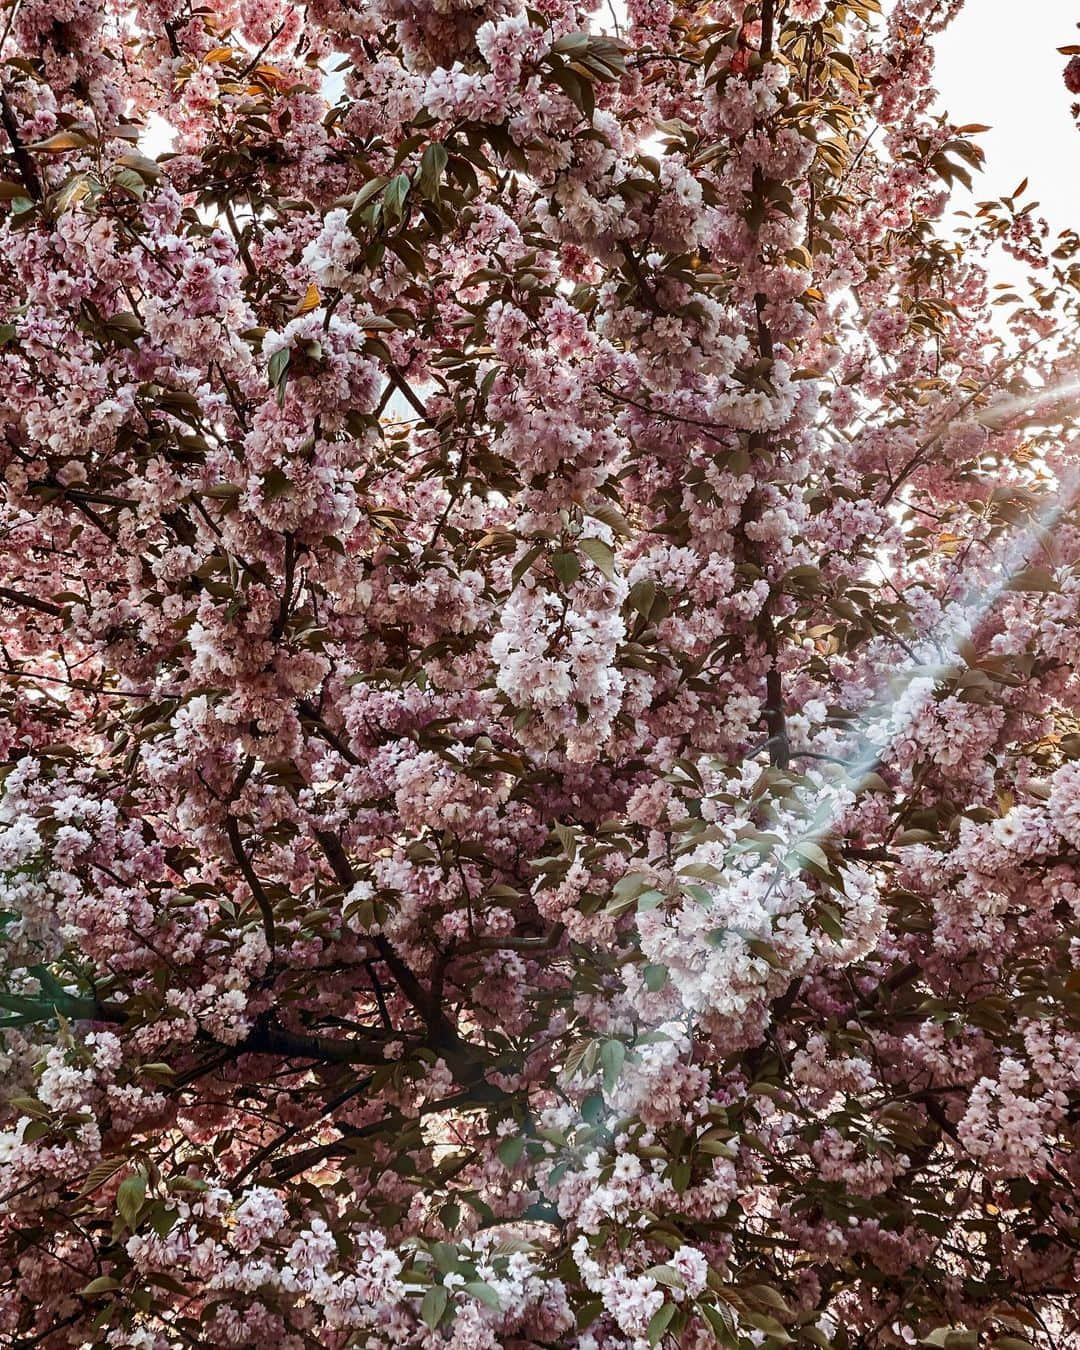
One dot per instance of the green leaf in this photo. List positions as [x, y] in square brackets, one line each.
[589, 1311]
[764, 1293]
[572, 45]
[642, 595]
[629, 886]
[130, 1197]
[511, 1151]
[655, 977]
[665, 1275]
[592, 1109]
[102, 1285]
[659, 1323]
[365, 194]
[720, 1321]
[1033, 579]
[771, 1327]
[397, 190]
[906, 837]
[566, 567]
[131, 182]
[434, 1305]
[816, 1337]
[601, 554]
[609, 514]
[61, 140]
[195, 1184]
[484, 1292]
[812, 853]
[445, 1255]
[432, 166]
[524, 563]
[163, 1219]
[612, 1059]
[99, 1173]
[571, 85]
[276, 484]
[277, 366]
[156, 1069]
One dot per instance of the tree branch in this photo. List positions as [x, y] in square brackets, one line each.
[481, 1094]
[25, 164]
[232, 829]
[256, 1160]
[496, 943]
[398, 380]
[265, 1040]
[442, 1029]
[30, 602]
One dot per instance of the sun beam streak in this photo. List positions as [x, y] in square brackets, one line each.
[941, 646]
[997, 414]
[937, 649]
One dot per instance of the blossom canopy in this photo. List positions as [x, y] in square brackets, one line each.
[539, 701]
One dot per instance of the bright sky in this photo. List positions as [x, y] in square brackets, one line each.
[998, 64]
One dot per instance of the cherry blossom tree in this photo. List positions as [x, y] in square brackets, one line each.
[540, 590]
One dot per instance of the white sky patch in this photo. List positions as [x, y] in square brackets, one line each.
[999, 64]
[158, 138]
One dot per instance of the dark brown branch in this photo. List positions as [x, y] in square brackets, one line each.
[281, 622]
[240, 241]
[260, 53]
[265, 1040]
[405, 389]
[25, 164]
[254, 884]
[309, 713]
[768, 10]
[256, 1160]
[208, 1066]
[644, 289]
[407, 982]
[549, 940]
[780, 1009]
[775, 719]
[869, 854]
[380, 996]
[30, 602]
[81, 494]
[481, 1094]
